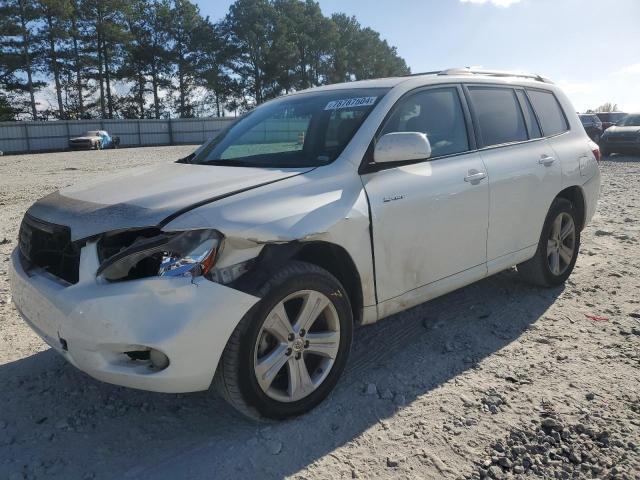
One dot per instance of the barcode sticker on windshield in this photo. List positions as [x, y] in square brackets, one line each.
[350, 103]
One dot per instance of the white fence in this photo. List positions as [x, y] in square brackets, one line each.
[21, 137]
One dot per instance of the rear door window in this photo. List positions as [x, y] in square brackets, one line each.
[435, 112]
[529, 116]
[552, 120]
[498, 114]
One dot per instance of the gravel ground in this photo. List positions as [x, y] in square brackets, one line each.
[498, 379]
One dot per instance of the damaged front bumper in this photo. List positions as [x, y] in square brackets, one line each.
[93, 325]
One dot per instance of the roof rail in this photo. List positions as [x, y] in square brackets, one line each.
[490, 73]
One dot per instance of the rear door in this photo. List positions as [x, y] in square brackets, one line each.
[429, 218]
[524, 175]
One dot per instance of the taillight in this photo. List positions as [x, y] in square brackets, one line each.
[595, 149]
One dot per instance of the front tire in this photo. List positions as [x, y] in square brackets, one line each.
[557, 249]
[288, 352]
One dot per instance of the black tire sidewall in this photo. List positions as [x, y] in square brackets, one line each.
[558, 206]
[247, 380]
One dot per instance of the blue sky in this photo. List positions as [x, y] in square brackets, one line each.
[589, 47]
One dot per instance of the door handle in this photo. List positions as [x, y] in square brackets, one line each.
[546, 160]
[474, 176]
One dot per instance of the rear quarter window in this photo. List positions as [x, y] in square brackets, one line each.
[549, 112]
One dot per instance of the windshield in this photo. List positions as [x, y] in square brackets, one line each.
[630, 121]
[92, 133]
[304, 130]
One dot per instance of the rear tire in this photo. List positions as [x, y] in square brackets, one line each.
[558, 247]
[301, 358]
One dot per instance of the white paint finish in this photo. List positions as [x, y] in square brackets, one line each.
[172, 185]
[144, 197]
[431, 291]
[591, 191]
[327, 204]
[401, 147]
[572, 145]
[523, 180]
[428, 222]
[507, 261]
[189, 322]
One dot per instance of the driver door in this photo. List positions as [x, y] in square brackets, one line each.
[429, 218]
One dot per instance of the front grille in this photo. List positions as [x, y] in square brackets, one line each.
[49, 246]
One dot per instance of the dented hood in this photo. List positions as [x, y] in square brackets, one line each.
[148, 196]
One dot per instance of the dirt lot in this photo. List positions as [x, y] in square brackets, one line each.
[496, 379]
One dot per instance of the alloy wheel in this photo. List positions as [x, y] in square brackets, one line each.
[561, 244]
[297, 346]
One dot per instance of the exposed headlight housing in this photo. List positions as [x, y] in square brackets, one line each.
[167, 254]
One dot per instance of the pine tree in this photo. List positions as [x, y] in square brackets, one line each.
[105, 23]
[54, 36]
[20, 57]
[186, 30]
[261, 52]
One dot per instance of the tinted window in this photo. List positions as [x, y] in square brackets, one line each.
[529, 116]
[499, 116]
[616, 117]
[437, 113]
[549, 113]
[630, 121]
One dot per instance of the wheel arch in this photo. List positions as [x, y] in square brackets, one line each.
[337, 261]
[332, 257]
[575, 195]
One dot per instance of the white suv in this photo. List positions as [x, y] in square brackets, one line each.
[248, 263]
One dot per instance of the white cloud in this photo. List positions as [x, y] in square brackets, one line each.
[633, 69]
[497, 3]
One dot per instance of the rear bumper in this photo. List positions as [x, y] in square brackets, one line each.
[591, 190]
[92, 324]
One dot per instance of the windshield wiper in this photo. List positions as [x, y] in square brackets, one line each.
[232, 163]
[186, 159]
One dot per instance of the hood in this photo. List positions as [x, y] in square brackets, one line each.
[617, 129]
[85, 138]
[148, 196]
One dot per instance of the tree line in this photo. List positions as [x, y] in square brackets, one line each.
[161, 58]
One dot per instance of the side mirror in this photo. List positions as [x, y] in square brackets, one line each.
[402, 147]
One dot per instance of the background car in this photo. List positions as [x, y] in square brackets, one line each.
[592, 125]
[609, 119]
[623, 137]
[94, 139]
